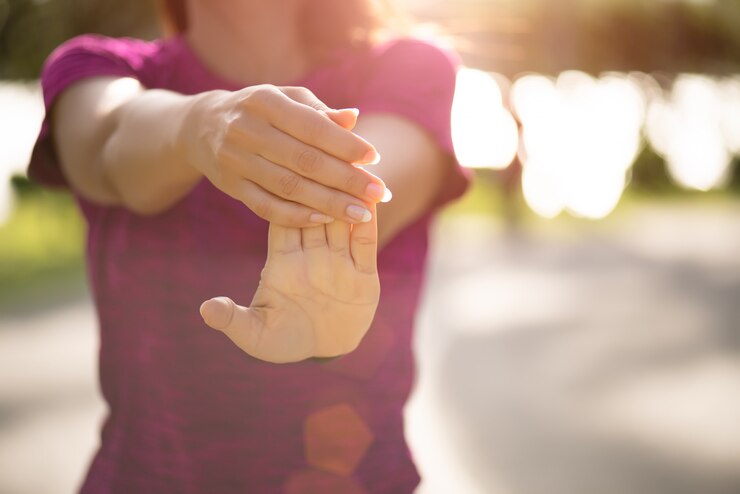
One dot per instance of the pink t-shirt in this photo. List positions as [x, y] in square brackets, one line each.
[189, 411]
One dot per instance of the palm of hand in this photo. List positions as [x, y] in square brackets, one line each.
[317, 296]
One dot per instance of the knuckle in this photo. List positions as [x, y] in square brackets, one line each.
[338, 251]
[260, 96]
[364, 268]
[334, 205]
[318, 106]
[307, 97]
[303, 91]
[354, 183]
[290, 184]
[263, 208]
[308, 161]
[364, 241]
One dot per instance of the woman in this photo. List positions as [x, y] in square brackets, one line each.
[177, 151]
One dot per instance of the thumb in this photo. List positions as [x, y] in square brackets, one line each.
[240, 324]
[218, 313]
[246, 329]
[346, 117]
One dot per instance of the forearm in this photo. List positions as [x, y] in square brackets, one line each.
[280, 151]
[120, 144]
[145, 159]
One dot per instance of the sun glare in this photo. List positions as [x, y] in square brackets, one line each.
[580, 137]
[20, 119]
[696, 128]
[484, 133]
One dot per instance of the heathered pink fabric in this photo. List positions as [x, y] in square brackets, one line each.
[189, 411]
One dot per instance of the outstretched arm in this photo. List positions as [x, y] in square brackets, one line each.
[279, 150]
[317, 296]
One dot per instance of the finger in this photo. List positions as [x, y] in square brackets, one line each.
[300, 115]
[337, 236]
[364, 245]
[310, 162]
[218, 312]
[313, 238]
[276, 210]
[240, 324]
[283, 240]
[290, 186]
[246, 328]
[316, 252]
[345, 118]
[248, 173]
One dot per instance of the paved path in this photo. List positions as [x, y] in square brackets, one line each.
[558, 359]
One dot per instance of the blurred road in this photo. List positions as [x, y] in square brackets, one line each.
[561, 358]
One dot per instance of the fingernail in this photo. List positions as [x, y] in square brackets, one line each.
[320, 218]
[358, 213]
[372, 157]
[355, 111]
[387, 195]
[378, 193]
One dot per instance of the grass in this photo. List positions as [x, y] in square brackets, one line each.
[41, 245]
[488, 197]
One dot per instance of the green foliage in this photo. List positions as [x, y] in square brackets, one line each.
[40, 244]
[31, 29]
[509, 37]
[550, 36]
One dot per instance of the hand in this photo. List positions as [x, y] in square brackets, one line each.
[317, 296]
[283, 153]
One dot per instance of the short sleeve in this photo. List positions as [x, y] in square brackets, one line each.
[415, 79]
[80, 58]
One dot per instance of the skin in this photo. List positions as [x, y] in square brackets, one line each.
[277, 149]
[317, 296]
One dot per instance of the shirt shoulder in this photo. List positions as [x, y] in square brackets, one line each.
[79, 58]
[413, 78]
[95, 55]
[415, 55]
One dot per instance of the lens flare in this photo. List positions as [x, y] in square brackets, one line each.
[22, 111]
[696, 129]
[580, 137]
[730, 94]
[484, 133]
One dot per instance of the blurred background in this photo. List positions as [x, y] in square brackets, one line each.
[580, 331]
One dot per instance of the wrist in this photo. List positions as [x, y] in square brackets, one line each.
[195, 133]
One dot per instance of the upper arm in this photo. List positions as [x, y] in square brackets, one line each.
[78, 71]
[412, 166]
[82, 120]
[405, 106]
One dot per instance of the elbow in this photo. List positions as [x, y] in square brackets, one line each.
[134, 191]
[143, 202]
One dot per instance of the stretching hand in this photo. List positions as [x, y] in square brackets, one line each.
[317, 296]
[283, 153]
